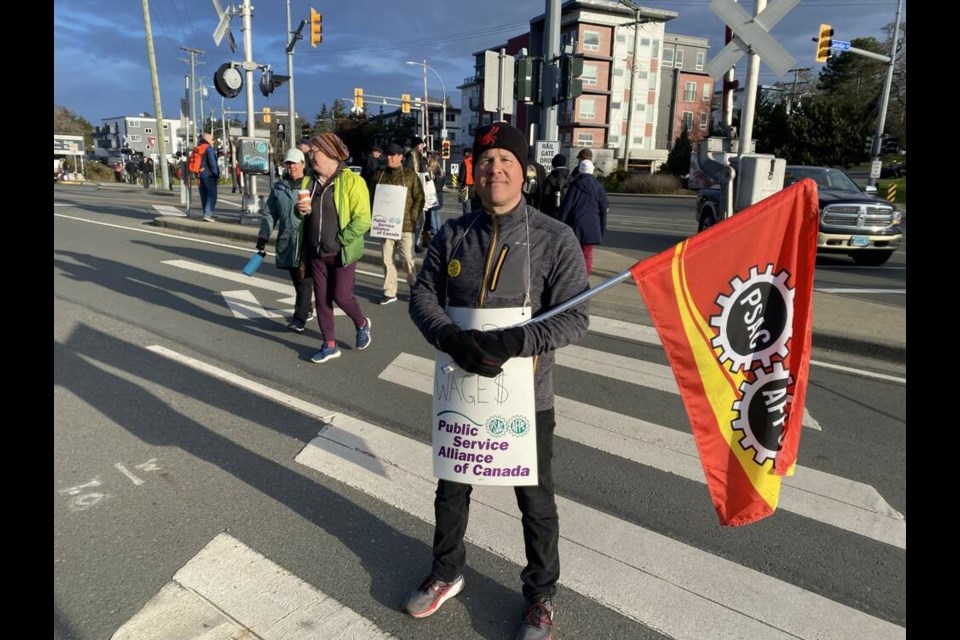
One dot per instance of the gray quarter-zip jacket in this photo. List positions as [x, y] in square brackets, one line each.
[523, 258]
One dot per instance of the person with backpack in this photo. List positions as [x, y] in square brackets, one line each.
[533, 183]
[203, 163]
[555, 186]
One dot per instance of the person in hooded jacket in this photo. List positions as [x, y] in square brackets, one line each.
[555, 186]
[584, 209]
[339, 216]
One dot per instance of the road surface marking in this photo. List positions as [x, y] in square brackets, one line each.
[820, 496]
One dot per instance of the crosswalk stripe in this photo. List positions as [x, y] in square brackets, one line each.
[641, 574]
[639, 372]
[168, 210]
[228, 590]
[827, 498]
[244, 305]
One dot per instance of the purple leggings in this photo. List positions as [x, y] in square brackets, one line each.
[332, 282]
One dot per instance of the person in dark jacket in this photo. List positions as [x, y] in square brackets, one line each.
[555, 186]
[584, 209]
[280, 212]
[371, 165]
[503, 255]
[584, 154]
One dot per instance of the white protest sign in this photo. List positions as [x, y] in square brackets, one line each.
[484, 429]
[389, 201]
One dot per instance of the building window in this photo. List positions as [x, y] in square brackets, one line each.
[618, 71]
[644, 42]
[613, 139]
[703, 121]
[679, 61]
[133, 124]
[707, 91]
[652, 77]
[591, 41]
[668, 57]
[687, 121]
[614, 105]
[588, 108]
[689, 91]
[701, 58]
[655, 48]
[584, 139]
[621, 37]
[589, 75]
[147, 130]
[134, 138]
[638, 140]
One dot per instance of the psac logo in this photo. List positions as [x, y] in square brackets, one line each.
[755, 324]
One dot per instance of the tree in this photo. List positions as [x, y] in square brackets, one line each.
[678, 161]
[67, 122]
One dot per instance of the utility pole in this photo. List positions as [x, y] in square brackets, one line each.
[151, 59]
[250, 201]
[193, 90]
[750, 94]
[796, 72]
[551, 51]
[882, 117]
[292, 138]
[426, 108]
[633, 75]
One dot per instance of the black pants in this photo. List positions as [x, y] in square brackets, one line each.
[304, 288]
[541, 526]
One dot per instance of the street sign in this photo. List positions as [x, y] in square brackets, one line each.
[545, 150]
[840, 45]
[751, 35]
[497, 83]
[875, 167]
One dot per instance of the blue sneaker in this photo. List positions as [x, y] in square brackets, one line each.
[326, 353]
[363, 336]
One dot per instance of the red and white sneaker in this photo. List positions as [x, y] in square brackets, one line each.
[430, 595]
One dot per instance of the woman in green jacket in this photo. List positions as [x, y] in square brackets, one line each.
[339, 216]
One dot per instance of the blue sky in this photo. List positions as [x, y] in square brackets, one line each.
[101, 68]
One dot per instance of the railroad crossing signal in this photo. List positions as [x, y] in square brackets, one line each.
[751, 34]
[405, 103]
[445, 149]
[824, 42]
[316, 27]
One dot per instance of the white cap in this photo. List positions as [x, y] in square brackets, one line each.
[586, 166]
[294, 155]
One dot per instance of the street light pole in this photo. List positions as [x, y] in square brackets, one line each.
[443, 115]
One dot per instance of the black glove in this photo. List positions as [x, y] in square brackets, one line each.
[261, 244]
[464, 348]
[503, 344]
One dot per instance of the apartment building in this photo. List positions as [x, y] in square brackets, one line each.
[632, 98]
[137, 133]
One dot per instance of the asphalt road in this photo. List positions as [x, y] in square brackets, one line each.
[182, 416]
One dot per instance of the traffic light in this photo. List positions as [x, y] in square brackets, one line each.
[824, 42]
[405, 103]
[266, 115]
[571, 86]
[358, 98]
[445, 149]
[525, 81]
[316, 27]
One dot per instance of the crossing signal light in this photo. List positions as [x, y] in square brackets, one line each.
[358, 98]
[571, 68]
[316, 27]
[405, 103]
[824, 42]
[445, 149]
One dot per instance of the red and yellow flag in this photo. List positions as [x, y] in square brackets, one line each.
[732, 306]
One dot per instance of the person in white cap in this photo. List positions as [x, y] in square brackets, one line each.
[280, 211]
[584, 208]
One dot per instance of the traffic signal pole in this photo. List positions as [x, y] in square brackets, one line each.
[882, 117]
[250, 197]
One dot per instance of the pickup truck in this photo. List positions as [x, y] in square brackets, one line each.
[852, 221]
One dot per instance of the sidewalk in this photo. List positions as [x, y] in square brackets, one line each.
[840, 323]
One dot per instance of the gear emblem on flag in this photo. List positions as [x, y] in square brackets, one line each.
[762, 412]
[755, 321]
